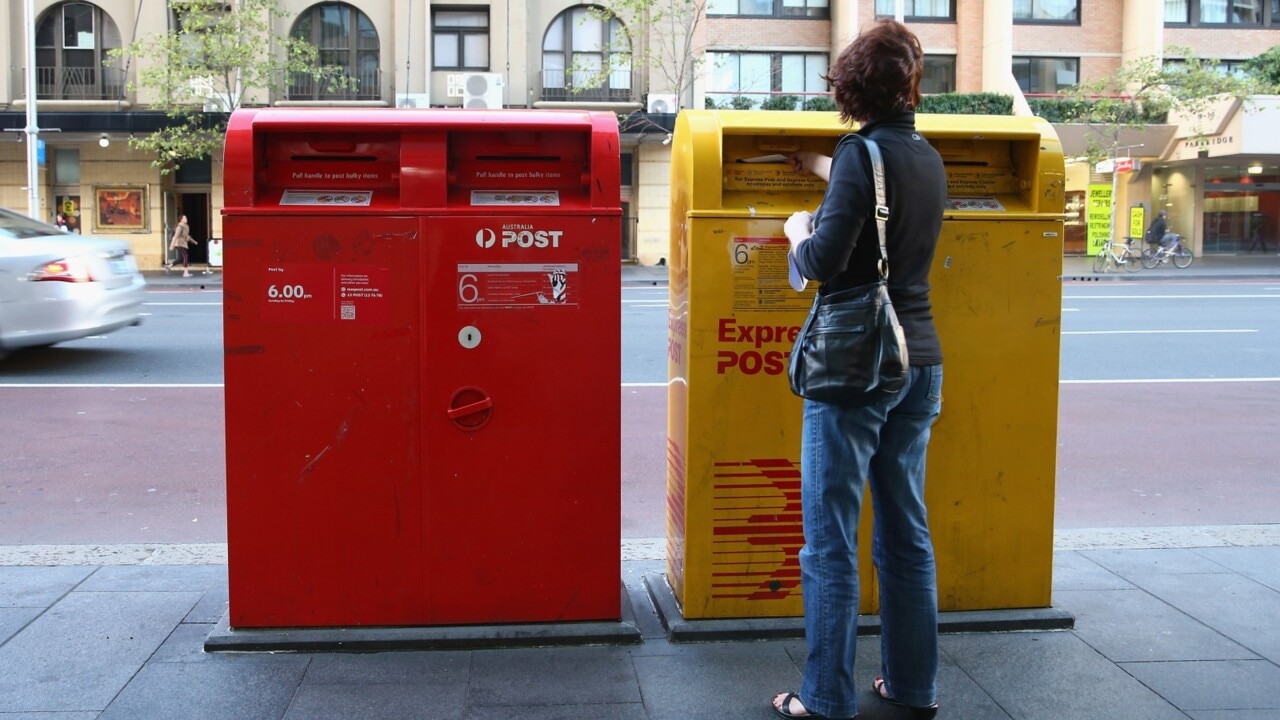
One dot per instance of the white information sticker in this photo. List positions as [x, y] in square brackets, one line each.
[486, 198]
[986, 203]
[518, 285]
[341, 198]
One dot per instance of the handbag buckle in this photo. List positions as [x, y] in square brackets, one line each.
[882, 212]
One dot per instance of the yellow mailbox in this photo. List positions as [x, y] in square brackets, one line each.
[733, 427]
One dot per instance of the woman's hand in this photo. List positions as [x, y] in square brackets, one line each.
[798, 227]
[807, 161]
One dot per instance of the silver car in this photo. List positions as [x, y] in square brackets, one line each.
[57, 286]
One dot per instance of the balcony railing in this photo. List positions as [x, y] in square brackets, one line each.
[554, 87]
[73, 83]
[364, 85]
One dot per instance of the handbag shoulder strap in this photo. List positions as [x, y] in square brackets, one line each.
[882, 207]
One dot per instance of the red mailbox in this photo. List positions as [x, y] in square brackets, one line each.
[422, 362]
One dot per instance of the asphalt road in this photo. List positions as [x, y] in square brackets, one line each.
[1166, 417]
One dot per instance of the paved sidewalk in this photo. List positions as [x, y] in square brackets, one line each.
[1169, 623]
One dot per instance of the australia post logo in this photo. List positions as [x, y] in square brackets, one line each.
[518, 235]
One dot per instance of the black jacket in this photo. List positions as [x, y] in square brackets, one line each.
[844, 249]
[1156, 232]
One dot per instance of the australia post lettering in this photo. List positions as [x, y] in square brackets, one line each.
[524, 236]
[753, 349]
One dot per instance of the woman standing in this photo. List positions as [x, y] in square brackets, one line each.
[875, 81]
[181, 239]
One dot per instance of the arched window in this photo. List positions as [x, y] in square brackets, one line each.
[346, 39]
[72, 41]
[585, 57]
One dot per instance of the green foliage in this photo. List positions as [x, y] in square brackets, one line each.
[1075, 110]
[219, 54]
[780, 102]
[967, 104]
[1148, 89]
[1265, 69]
[820, 103]
[736, 102]
[658, 35]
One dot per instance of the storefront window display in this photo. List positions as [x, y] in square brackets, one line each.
[1241, 209]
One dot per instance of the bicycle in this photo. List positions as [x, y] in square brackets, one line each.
[1107, 257]
[1161, 252]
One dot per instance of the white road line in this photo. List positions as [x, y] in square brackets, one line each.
[163, 386]
[1167, 297]
[1169, 381]
[1152, 332]
[111, 385]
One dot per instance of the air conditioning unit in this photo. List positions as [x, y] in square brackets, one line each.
[477, 90]
[661, 104]
[413, 100]
[216, 104]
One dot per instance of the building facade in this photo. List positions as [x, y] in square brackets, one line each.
[1221, 187]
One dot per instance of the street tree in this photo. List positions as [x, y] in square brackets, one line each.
[1150, 91]
[657, 35]
[1265, 68]
[219, 55]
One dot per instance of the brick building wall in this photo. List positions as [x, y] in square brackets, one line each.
[1223, 43]
[766, 34]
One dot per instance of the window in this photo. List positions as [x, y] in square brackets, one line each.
[1177, 12]
[939, 74]
[1049, 11]
[918, 9]
[770, 8]
[1045, 75]
[346, 40]
[194, 172]
[72, 41]
[1225, 67]
[774, 81]
[1245, 13]
[586, 57]
[66, 166]
[460, 39]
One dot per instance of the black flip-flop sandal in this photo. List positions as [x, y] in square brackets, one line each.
[785, 710]
[917, 713]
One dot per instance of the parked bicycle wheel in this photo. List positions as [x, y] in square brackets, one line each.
[1182, 258]
[1100, 262]
[1150, 258]
[1130, 260]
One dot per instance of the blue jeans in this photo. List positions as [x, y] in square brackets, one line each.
[844, 448]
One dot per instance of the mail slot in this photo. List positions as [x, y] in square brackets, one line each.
[422, 362]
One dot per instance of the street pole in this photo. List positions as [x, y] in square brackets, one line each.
[32, 129]
[1115, 183]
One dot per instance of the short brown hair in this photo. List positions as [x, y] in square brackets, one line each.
[879, 73]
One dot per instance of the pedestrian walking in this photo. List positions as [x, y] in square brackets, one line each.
[1256, 221]
[181, 240]
[875, 81]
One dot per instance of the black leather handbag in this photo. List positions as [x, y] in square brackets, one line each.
[851, 349]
